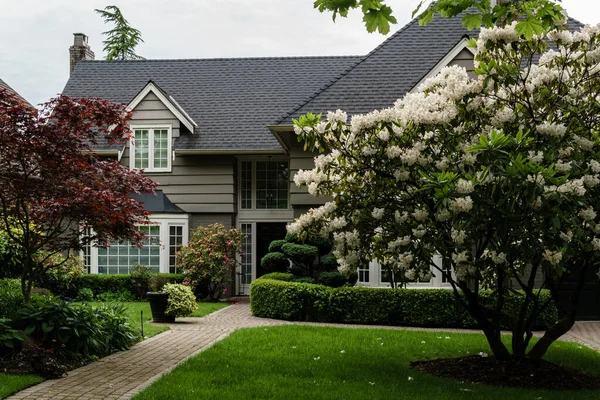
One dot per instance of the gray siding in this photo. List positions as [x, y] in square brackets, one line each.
[196, 183]
[464, 59]
[197, 220]
[300, 159]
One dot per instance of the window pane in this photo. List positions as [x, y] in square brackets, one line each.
[246, 183]
[120, 258]
[141, 144]
[161, 146]
[272, 183]
[175, 240]
[246, 254]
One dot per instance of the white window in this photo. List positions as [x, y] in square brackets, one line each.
[151, 148]
[164, 235]
[264, 185]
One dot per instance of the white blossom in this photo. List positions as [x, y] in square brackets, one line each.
[378, 213]
[551, 129]
[461, 204]
[458, 236]
[553, 257]
[464, 186]
[588, 214]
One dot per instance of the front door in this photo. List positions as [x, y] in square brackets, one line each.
[266, 232]
[589, 301]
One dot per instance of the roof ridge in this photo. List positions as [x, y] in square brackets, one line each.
[345, 72]
[219, 59]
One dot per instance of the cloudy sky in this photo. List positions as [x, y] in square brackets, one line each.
[36, 34]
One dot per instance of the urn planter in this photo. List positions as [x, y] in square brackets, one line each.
[158, 305]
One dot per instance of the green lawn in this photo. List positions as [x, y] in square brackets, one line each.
[13, 383]
[10, 384]
[134, 308]
[303, 362]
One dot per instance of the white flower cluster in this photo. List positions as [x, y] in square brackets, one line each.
[306, 177]
[378, 213]
[596, 244]
[497, 258]
[400, 242]
[311, 217]
[574, 187]
[588, 214]
[506, 34]
[536, 158]
[464, 186]
[551, 129]
[553, 257]
[461, 204]
[420, 214]
[404, 260]
[458, 236]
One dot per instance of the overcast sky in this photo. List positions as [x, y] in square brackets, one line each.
[36, 34]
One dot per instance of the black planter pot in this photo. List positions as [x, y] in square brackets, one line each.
[158, 305]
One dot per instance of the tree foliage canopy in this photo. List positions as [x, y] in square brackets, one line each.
[121, 40]
[377, 15]
[498, 175]
[53, 188]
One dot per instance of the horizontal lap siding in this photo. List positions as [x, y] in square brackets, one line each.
[197, 183]
[464, 59]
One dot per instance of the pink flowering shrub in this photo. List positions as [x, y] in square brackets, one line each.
[210, 258]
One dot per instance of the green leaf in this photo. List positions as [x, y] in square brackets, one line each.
[29, 330]
[472, 21]
[529, 27]
[379, 20]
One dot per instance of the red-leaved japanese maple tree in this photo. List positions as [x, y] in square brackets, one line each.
[53, 188]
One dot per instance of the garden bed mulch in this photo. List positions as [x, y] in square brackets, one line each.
[531, 374]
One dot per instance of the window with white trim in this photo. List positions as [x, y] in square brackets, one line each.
[264, 185]
[151, 148]
[163, 237]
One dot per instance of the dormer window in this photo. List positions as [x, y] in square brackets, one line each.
[151, 148]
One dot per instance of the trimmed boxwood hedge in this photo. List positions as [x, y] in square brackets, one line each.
[105, 283]
[377, 306]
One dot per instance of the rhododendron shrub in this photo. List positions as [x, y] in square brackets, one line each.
[498, 174]
[210, 258]
[53, 188]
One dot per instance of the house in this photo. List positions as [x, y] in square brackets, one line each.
[4, 85]
[217, 134]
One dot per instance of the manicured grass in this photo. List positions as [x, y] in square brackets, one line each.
[134, 308]
[10, 384]
[303, 362]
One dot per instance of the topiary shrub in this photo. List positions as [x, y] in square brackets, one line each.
[332, 279]
[275, 262]
[141, 280]
[279, 276]
[181, 302]
[275, 246]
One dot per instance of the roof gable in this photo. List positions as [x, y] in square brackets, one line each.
[168, 101]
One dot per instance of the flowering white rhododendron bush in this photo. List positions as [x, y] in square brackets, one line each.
[498, 173]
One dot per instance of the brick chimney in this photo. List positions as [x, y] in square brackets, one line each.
[80, 50]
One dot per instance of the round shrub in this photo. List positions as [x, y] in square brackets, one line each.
[275, 246]
[181, 302]
[275, 262]
[332, 279]
[302, 253]
[329, 262]
[322, 244]
[279, 276]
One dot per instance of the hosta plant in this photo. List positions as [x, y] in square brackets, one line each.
[181, 301]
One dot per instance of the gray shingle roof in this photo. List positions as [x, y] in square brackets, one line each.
[4, 85]
[232, 100]
[392, 69]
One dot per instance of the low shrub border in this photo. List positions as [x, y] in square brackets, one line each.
[104, 283]
[438, 308]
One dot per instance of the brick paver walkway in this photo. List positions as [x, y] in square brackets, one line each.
[123, 375]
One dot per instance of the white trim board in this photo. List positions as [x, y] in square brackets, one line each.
[182, 116]
[460, 46]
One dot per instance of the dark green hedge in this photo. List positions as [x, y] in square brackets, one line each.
[103, 283]
[361, 305]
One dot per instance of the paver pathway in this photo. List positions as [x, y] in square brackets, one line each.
[123, 375]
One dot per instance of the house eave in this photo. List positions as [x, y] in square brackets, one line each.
[277, 129]
[226, 151]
